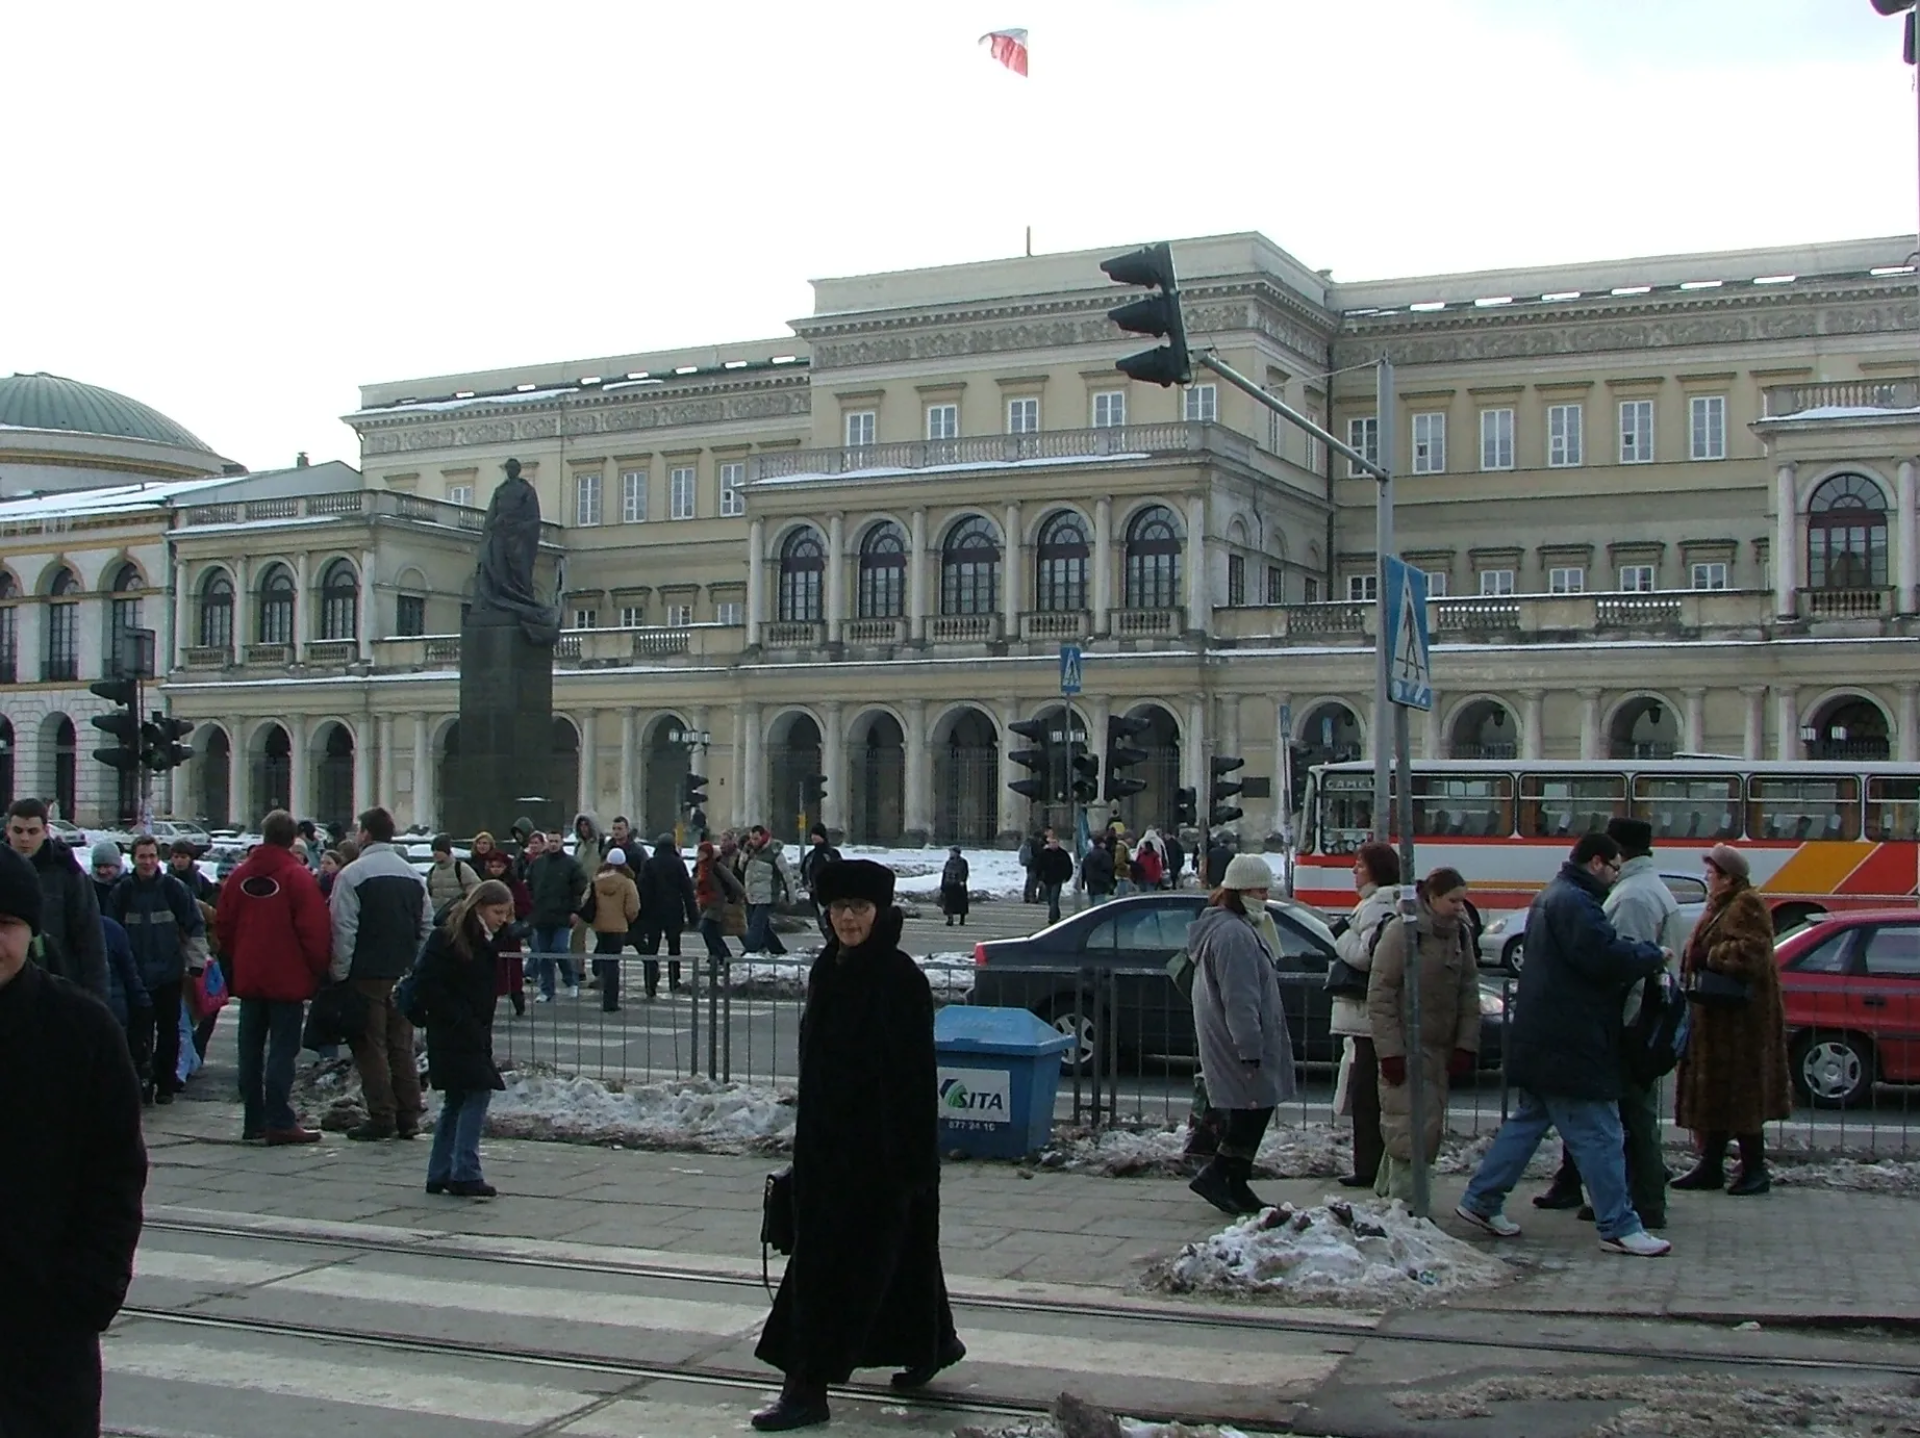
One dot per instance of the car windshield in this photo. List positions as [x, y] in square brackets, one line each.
[1304, 918]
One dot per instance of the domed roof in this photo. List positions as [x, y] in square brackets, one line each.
[46, 401]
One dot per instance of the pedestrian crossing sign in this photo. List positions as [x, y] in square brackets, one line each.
[1409, 671]
[1069, 669]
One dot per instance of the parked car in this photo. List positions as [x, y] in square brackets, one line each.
[1133, 938]
[1851, 982]
[68, 833]
[1503, 942]
[168, 830]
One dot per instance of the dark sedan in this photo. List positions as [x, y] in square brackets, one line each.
[1120, 950]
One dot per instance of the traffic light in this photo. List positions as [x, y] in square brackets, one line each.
[1034, 786]
[1895, 7]
[814, 786]
[1086, 773]
[1121, 754]
[1186, 808]
[1157, 315]
[162, 748]
[124, 724]
[693, 791]
[1223, 788]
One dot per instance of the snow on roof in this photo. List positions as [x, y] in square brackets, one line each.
[1847, 411]
[897, 471]
[471, 401]
[114, 499]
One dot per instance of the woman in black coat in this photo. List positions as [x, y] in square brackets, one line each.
[455, 986]
[864, 1287]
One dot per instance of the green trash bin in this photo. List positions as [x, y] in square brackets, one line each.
[998, 1070]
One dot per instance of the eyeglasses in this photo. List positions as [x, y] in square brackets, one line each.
[851, 906]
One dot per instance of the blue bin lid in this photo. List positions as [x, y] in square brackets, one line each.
[962, 1028]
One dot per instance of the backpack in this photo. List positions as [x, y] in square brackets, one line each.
[1147, 862]
[1025, 856]
[1654, 1042]
[407, 999]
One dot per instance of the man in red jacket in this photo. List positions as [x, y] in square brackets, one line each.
[274, 928]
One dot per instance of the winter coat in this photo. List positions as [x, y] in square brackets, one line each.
[73, 946]
[667, 902]
[589, 849]
[381, 915]
[1237, 1014]
[1449, 1020]
[1148, 868]
[810, 862]
[1733, 1076]
[458, 996]
[1053, 866]
[125, 993]
[1355, 946]
[449, 881]
[509, 970]
[1096, 870]
[715, 887]
[164, 926]
[1176, 857]
[616, 902]
[864, 1287]
[1641, 906]
[1564, 1036]
[1122, 861]
[274, 928]
[768, 879]
[71, 1191]
[953, 887]
[556, 881]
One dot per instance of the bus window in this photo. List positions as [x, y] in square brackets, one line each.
[1688, 807]
[1784, 807]
[1893, 808]
[1345, 819]
[1565, 806]
[1473, 806]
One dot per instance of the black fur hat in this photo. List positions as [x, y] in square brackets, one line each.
[854, 879]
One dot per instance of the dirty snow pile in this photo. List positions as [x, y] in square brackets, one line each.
[1072, 1417]
[1336, 1253]
[1314, 1150]
[950, 974]
[680, 1113]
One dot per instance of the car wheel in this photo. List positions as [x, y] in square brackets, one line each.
[1068, 1014]
[1834, 1070]
[1514, 955]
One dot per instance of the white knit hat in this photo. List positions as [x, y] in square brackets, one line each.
[616, 857]
[1247, 871]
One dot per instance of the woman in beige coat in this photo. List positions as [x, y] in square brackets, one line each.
[616, 905]
[1448, 1043]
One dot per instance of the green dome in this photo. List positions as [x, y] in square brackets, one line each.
[46, 401]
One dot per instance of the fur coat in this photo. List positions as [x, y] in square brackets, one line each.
[1733, 1078]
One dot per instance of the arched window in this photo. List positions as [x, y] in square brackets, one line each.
[883, 572]
[216, 611]
[339, 601]
[1153, 560]
[1060, 563]
[1847, 535]
[803, 565]
[63, 628]
[276, 606]
[123, 616]
[970, 568]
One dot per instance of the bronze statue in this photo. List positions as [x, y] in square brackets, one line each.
[509, 545]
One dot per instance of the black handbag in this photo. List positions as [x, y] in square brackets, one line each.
[776, 1219]
[1711, 989]
[337, 1015]
[1344, 981]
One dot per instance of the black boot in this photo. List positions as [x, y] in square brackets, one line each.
[1710, 1173]
[1753, 1176]
[1243, 1196]
[801, 1405]
[1564, 1191]
[1214, 1183]
[951, 1352]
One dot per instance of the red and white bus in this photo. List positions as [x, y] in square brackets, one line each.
[1818, 835]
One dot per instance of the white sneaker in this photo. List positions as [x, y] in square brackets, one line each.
[1497, 1224]
[1638, 1244]
[573, 991]
[543, 998]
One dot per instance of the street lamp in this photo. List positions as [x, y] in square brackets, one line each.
[693, 797]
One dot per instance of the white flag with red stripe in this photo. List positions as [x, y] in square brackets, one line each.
[1009, 48]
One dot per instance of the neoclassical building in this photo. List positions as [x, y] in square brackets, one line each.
[1666, 505]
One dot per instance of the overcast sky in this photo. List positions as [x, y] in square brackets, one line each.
[240, 212]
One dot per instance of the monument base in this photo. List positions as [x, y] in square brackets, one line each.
[503, 764]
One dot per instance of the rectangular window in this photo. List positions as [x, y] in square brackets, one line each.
[585, 618]
[10, 644]
[1109, 408]
[1363, 435]
[1496, 439]
[1710, 576]
[1563, 435]
[943, 421]
[679, 616]
[63, 642]
[633, 496]
[1707, 426]
[732, 612]
[1429, 443]
[1436, 583]
[586, 499]
[1568, 579]
[1496, 581]
[860, 427]
[1236, 580]
[680, 493]
[460, 494]
[1636, 431]
[733, 489]
[1310, 590]
[1363, 588]
[1023, 415]
[633, 616]
[1636, 578]
[410, 614]
[1276, 584]
[1202, 403]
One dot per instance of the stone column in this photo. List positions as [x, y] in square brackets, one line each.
[384, 764]
[369, 607]
[1102, 564]
[1754, 736]
[364, 754]
[1433, 737]
[422, 775]
[1693, 730]
[30, 652]
[1906, 543]
[302, 612]
[917, 576]
[1230, 744]
[756, 577]
[753, 768]
[628, 802]
[245, 607]
[1786, 738]
[1012, 806]
[836, 597]
[182, 617]
[239, 776]
[1199, 582]
[90, 653]
[1909, 738]
[1590, 724]
[589, 787]
[833, 765]
[1533, 740]
[1785, 549]
[1012, 570]
[300, 766]
[918, 814]
[1193, 751]
[1095, 709]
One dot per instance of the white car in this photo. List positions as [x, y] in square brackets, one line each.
[1503, 942]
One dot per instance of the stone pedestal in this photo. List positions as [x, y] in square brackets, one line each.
[504, 751]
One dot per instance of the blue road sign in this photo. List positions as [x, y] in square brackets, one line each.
[1069, 669]
[1409, 670]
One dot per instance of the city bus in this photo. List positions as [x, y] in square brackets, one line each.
[1818, 835]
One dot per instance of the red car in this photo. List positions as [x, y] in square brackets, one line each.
[1852, 987]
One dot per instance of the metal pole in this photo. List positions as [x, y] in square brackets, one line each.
[1382, 641]
[1409, 917]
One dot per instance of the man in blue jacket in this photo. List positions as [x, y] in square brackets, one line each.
[1564, 1053]
[169, 942]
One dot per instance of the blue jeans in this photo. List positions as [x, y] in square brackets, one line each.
[760, 936]
[1052, 891]
[550, 945]
[456, 1137]
[1122, 888]
[269, 1044]
[1591, 1130]
[710, 930]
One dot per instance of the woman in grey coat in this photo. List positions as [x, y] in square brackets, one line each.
[1245, 1053]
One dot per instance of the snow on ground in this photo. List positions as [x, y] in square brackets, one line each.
[949, 973]
[1315, 1150]
[1360, 1255]
[991, 873]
